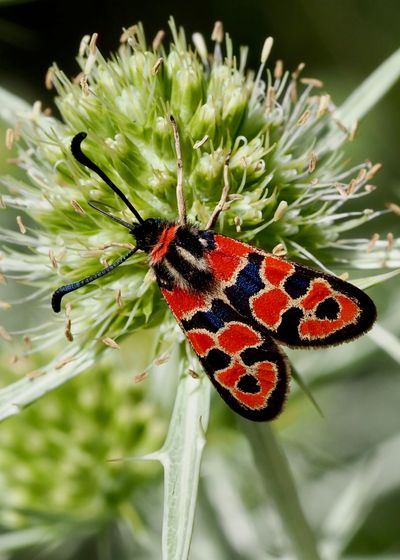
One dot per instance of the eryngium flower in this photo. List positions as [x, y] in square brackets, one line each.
[288, 182]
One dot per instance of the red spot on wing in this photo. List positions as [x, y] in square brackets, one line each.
[229, 376]
[266, 376]
[201, 341]
[349, 309]
[183, 302]
[269, 306]
[318, 292]
[320, 328]
[225, 259]
[275, 270]
[223, 266]
[159, 250]
[236, 337]
[231, 246]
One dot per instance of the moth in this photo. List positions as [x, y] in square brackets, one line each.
[236, 304]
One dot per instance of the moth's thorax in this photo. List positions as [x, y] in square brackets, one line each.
[178, 254]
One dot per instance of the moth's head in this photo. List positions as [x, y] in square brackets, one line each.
[147, 233]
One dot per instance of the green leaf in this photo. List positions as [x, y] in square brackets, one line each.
[370, 91]
[369, 281]
[14, 397]
[363, 98]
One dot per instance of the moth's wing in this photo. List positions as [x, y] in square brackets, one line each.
[246, 366]
[297, 305]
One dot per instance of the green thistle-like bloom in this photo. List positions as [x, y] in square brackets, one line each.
[289, 192]
[288, 184]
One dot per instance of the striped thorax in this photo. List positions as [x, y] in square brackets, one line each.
[178, 254]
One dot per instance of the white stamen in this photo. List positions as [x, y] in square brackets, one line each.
[158, 39]
[268, 43]
[48, 80]
[278, 70]
[395, 208]
[304, 117]
[390, 241]
[373, 242]
[110, 342]
[218, 32]
[312, 82]
[83, 45]
[312, 162]
[63, 362]
[128, 33]
[118, 298]
[279, 250]
[373, 171]
[238, 223]
[9, 138]
[53, 260]
[21, 226]
[157, 66]
[4, 334]
[77, 207]
[201, 47]
[84, 85]
[280, 211]
[140, 377]
[323, 107]
[199, 143]
[117, 244]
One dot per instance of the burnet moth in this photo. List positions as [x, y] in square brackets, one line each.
[236, 304]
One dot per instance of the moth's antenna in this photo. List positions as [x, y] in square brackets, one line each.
[84, 160]
[129, 226]
[61, 292]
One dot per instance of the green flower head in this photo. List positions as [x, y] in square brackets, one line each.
[288, 181]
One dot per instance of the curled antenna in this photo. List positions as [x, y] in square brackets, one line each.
[61, 292]
[84, 160]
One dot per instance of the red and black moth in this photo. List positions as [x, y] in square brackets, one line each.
[236, 304]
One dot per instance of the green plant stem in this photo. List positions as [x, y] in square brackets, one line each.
[181, 458]
[275, 473]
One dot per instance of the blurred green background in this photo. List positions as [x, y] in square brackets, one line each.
[347, 463]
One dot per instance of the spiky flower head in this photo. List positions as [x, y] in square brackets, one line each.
[288, 180]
